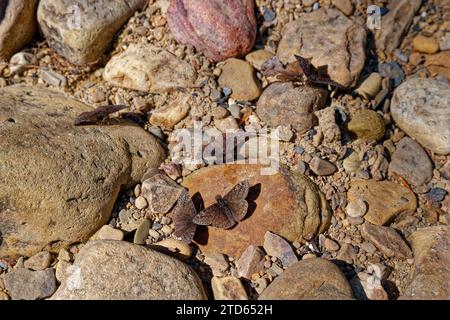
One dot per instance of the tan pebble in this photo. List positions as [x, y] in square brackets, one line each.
[370, 87]
[173, 247]
[309, 256]
[425, 44]
[141, 203]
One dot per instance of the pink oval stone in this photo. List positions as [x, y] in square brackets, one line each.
[219, 29]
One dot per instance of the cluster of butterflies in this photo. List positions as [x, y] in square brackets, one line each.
[225, 213]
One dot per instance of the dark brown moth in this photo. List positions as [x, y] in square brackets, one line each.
[228, 210]
[183, 214]
[100, 115]
[301, 71]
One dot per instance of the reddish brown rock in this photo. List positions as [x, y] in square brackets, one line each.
[384, 199]
[287, 203]
[218, 29]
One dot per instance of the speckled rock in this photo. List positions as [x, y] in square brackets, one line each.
[228, 288]
[420, 107]
[17, 25]
[285, 203]
[39, 261]
[239, 76]
[411, 162]
[395, 24]
[367, 125]
[385, 199]
[24, 284]
[138, 273]
[430, 279]
[148, 68]
[330, 39]
[250, 262]
[276, 246]
[284, 104]
[38, 135]
[174, 248]
[218, 29]
[311, 279]
[258, 58]
[387, 240]
[82, 31]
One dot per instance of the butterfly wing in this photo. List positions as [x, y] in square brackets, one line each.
[235, 200]
[216, 216]
[184, 213]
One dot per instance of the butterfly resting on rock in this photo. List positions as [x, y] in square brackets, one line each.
[225, 213]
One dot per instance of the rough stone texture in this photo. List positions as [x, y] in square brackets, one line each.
[420, 107]
[59, 182]
[218, 29]
[17, 25]
[367, 125]
[345, 6]
[330, 39]
[385, 199]
[284, 104]
[107, 232]
[39, 261]
[387, 240]
[287, 203]
[24, 284]
[250, 262]
[258, 58]
[411, 162]
[395, 24]
[311, 279]
[161, 193]
[322, 167]
[276, 246]
[228, 288]
[148, 68]
[239, 76]
[439, 64]
[81, 31]
[118, 270]
[430, 279]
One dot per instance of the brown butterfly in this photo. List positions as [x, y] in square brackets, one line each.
[100, 115]
[184, 213]
[301, 70]
[228, 210]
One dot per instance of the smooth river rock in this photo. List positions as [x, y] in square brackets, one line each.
[59, 182]
[81, 31]
[119, 270]
[421, 108]
[17, 25]
[330, 39]
[411, 162]
[286, 203]
[148, 68]
[219, 29]
[311, 279]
